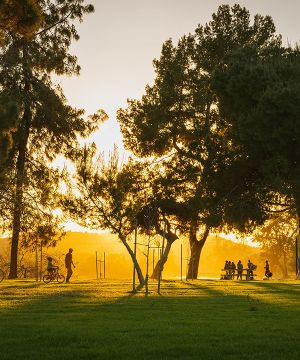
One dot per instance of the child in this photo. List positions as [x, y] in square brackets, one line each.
[50, 266]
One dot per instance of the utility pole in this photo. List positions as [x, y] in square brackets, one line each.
[135, 241]
[104, 266]
[41, 264]
[297, 258]
[161, 258]
[153, 260]
[181, 262]
[36, 261]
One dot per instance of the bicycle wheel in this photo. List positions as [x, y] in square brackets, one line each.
[47, 278]
[60, 278]
[1, 275]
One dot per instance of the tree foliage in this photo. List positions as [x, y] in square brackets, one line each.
[277, 240]
[22, 17]
[259, 98]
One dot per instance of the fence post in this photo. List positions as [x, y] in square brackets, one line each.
[41, 264]
[181, 262]
[161, 258]
[97, 264]
[104, 267]
[297, 260]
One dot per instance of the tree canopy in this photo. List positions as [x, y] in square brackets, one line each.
[258, 94]
[178, 118]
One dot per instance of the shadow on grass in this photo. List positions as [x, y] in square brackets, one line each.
[190, 321]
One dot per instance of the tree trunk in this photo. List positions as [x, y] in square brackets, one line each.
[135, 262]
[196, 248]
[170, 237]
[163, 259]
[23, 135]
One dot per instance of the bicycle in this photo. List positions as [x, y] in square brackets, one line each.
[54, 276]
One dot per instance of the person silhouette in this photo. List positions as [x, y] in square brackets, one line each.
[268, 273]
[69, 263]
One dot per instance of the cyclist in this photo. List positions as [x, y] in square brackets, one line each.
[50, 267]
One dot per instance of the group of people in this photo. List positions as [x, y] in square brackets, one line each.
[68, 263]
[230, 267]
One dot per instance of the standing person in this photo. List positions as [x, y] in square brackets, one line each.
[233, 267]
[267, 270]
[69, 263]
[226, 268]
[239, 270]
[249, 270]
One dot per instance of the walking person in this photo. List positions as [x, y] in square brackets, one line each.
[69, 263]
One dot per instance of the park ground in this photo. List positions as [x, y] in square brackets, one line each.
[203, 319]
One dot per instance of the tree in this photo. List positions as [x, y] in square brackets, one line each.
[41, 223]
[45, 125]
[259, 98]
[277, 238]
[22, 17]
[178, 118]
[108, 196]
[153, 220]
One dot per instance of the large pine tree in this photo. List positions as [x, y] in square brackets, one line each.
[45, 124]
[178, 118]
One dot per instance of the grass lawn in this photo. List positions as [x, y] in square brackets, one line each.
[202, 319]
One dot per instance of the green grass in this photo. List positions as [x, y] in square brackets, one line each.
[190, 320]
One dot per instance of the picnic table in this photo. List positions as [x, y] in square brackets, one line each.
[230, 274]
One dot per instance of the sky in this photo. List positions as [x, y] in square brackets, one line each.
[119, 41]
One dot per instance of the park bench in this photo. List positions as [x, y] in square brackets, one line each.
[226, 275]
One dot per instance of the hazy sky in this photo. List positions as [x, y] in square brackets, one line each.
[119, 41]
